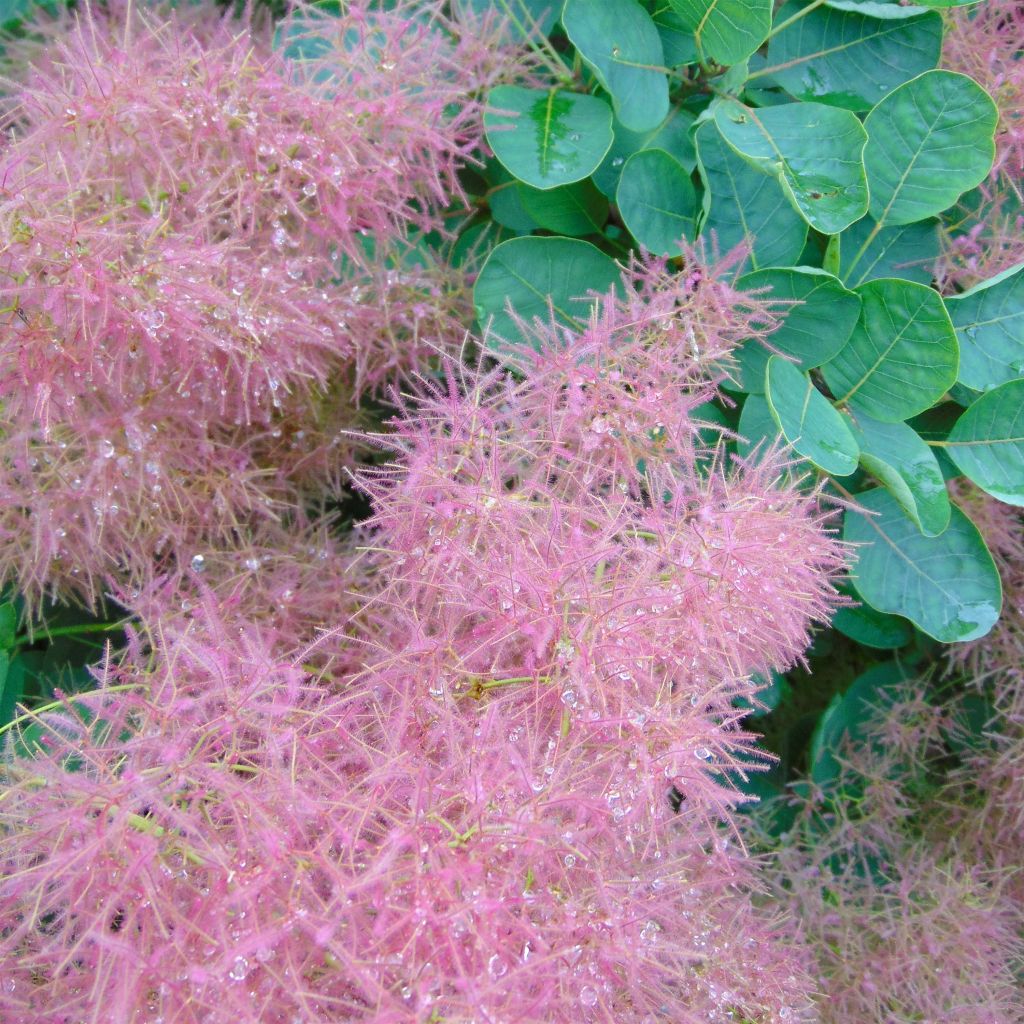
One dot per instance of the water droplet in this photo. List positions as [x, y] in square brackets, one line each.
[564, 650]
[588, 995]
[703, 753]
[239, 969]
[309, 189]
[496, 967]
[198, 563]
[569, 698]
[252, 564]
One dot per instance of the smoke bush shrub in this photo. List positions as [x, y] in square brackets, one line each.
[475, 818]
[451, 642]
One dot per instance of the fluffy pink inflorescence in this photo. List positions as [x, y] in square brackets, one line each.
[886, 886]
[231, 840]
[575, 525]
[928, 940]
[505, 796]
[186, 210]
[990, 786]
[986, 42]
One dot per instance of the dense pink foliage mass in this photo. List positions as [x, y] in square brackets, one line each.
[241, 842]
[198, 234]
[505, 794]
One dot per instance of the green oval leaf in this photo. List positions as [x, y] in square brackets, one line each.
[869, 252]
[676, 39]
[947, 586]
[873, 629]
[929, 141]
[727, 31]
[902, 356]
[541, 276]
[547, 137]
[824, 181]
[657, 201]
[849, 60]
[742, 204]
[813, 331]
[620, 43]
[847, 717]
[672, 135]
[898, 457]
[989, 322]
[524, 17]
[757, 427]
[807, 419]
[505, 200]
[576, 209]
[987, 442]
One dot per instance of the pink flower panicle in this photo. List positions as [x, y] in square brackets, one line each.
[991, 782]
[222, 838]
[186, 267]
[469, 814]
[215, 186]
[986, 42]
[895, 892]
[522, 514]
